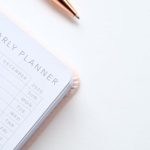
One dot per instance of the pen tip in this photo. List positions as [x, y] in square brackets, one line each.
[77, 17]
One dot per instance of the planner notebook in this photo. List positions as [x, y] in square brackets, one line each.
[32, 83]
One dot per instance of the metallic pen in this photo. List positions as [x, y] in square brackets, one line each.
[67, 7]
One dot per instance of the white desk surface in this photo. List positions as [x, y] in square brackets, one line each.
[110, 47]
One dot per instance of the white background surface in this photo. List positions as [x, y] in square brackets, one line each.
[110, 47]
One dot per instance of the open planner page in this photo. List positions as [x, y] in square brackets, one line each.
[32, 81]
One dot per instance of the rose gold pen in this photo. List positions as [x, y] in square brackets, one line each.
[67, 7]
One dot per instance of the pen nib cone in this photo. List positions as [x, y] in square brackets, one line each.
[66, 6]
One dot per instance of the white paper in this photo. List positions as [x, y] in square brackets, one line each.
[30, 81]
